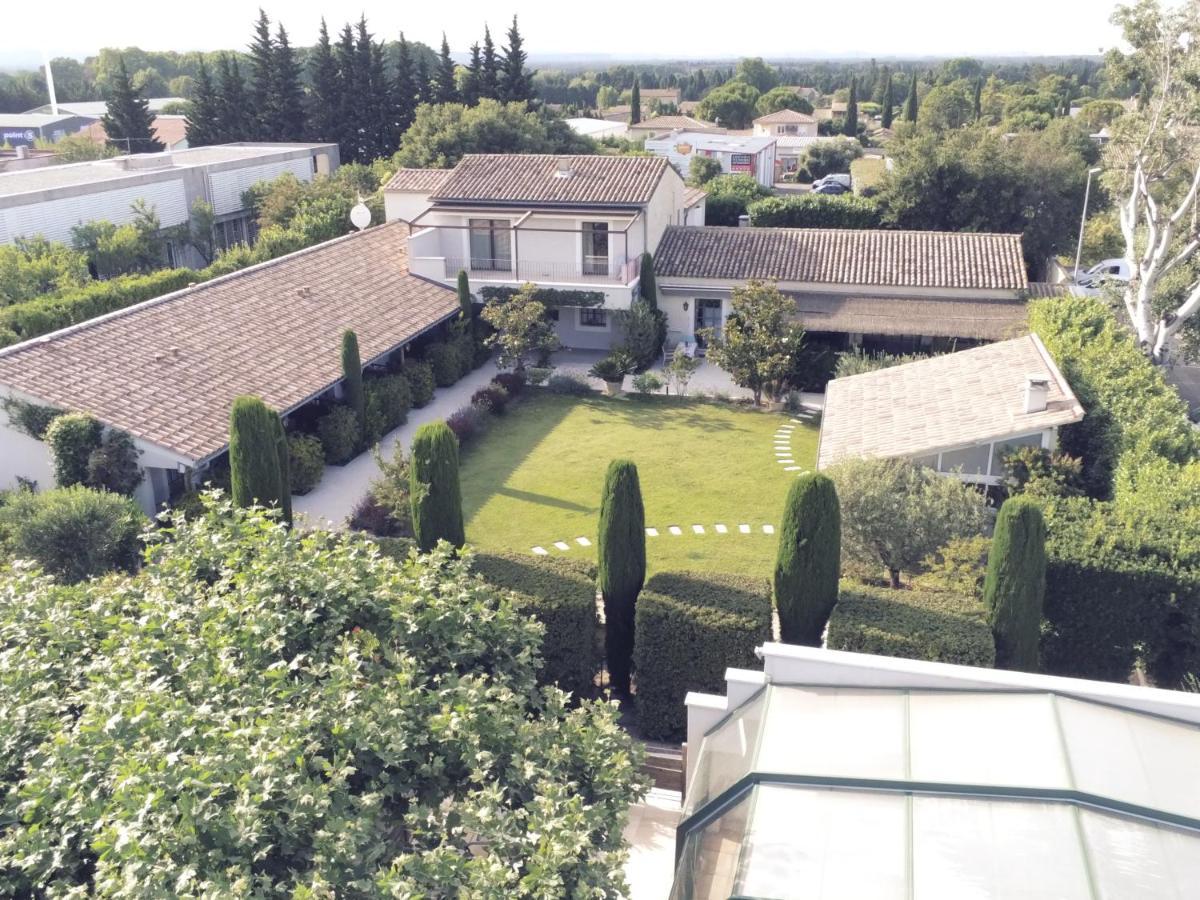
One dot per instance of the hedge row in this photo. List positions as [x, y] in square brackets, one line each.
[816, 211]
[689, 628]
[912, 623]
[561, 594]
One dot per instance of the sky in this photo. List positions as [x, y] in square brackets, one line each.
[694, 29]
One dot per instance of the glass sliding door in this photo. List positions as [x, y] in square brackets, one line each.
[595, 248]
[708, 315]
[491, 245]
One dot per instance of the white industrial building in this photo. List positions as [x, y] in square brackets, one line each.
[738, 154]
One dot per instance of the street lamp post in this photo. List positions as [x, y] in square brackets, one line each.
[1083, 219]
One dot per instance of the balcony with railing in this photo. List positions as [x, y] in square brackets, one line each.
[588, 270]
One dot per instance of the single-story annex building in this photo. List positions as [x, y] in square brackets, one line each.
[168, 370]
[958, 413]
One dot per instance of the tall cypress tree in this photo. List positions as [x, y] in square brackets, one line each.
[489, 87]
[445, 89]
[474, 80]
[808, 561]
[516, 82]
[325, 100]
[433, 489]
[262, 79]
[851, 126]
[283, 452]
[1015, 586]
[233, 103]
[352, 89]
[254, 453]
[287, 109]
[127, 120]
[424, 85]
[352, 383]
[911, 105]
[465, 302]
[204, 115]
[635, 103]
[404, 89]
[978, 98]
[379, 105]
[648, 285]
[621, 549]
[889, 101]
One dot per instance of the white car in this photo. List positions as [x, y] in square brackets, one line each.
[1103, 272]
[842, 179]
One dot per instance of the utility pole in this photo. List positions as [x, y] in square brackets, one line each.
[50, 82]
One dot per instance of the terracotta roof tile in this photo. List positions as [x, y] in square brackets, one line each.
[528, 178]
[987, 320]
[168, 370]
[418, 180]
[785, 117]
[692, 196]
[683, 123]
[928, 259]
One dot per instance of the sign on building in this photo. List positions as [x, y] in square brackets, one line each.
[741, 162]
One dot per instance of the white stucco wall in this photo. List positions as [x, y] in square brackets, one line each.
[21, 455]
[404, 206]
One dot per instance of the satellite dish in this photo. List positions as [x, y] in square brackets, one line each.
[360, 216]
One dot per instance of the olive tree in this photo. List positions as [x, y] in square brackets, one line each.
[522, 329]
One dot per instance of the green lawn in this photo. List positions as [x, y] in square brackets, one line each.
[535, 478]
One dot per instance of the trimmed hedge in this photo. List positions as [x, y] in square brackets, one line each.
[691, 627]
[339, 432]
[912, 623]
[388, 400]
[445, 362]
[561, 594]
[307, 462]
[420, 382]
[816, 211]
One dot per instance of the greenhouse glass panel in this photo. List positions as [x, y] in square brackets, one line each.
[1132, 858]
[727, 753]
[709, 863]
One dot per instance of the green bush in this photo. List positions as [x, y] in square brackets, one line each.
[307, 462]
[420, 382]
[388, 400]
[1016, 583]
[808, 563]
[72, 438]
[254, 459]
[723, 210]
[338, 430]
[462, 345]
[690, 628]
[647, 383]
[816, 211]
[74, 533]
[445, 363]
[29, 418]
[433, 487]
[621, 551]
[113, 466]
[911, 623]
[561, 594]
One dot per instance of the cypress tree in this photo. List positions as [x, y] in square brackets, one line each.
[473, 83]
[433, 487]
[445, 88]
[405, 86]
[635, 103]
[352, 90]
[808, 562]
[1015, 585]
[649, 283]
[233, 103]
[464, 295]
[352, 381]
[127, 120]
[978, 98]
[204, 115]
[889, 101]
[489, 87]
[254, 453]
[262, 79]
[287, 109]
[516, 83]
[621, 547]
[325, 100]
[386, 138]
[851, 126]
[424, 85]
[911, 104]
[283, 452]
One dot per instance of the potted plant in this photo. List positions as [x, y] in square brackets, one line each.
[612, 371]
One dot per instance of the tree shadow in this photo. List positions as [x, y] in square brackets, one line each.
[545, 500]
[654, 412]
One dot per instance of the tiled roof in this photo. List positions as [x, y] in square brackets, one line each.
[1039, 289]
[168, 129]
[785, 117]
[986, 320]
[692, 196]
[671, 123]
[923, 259]
[944, 402]
[168, 370]
[527, 178]
[417, 180]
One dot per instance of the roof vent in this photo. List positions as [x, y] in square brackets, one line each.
[743, 221]
[1037, 390]
[564, 167]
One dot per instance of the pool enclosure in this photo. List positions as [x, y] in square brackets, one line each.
[844, 792]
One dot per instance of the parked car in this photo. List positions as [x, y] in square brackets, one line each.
[1103, 272]
[831, 187]
[840, 178]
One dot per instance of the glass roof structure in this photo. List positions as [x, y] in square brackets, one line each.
[825, 793]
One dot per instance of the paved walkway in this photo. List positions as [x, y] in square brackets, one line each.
[650, 835]
[342, 487]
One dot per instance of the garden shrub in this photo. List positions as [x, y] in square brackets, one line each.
[113, 466]
[445, 363]
[690, 628]
[433, 487]
[538, 375]
[74, 533]
[467, 423]
[567, 383]
[561, 594]
[462, 345]
[808, 563]
[816, 211]
[645, 330]
[29, 418]
[912, 623]
[72, 438]
[420, 382]
[1016, 583]
[306, 462]
[647, 383]
[388, 400]
[374, 517]
[492, 398]
[512, 382]
[338, 430]
[386, 509]
[352, 383]
[621, 555]
[255, 460]
[723, 210]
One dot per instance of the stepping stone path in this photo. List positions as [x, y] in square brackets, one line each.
[675, 529]
[698, 529]
[651, 532]
[562, 545]
[744, 529]
[768, 529]
[583, 542]
[721, 529]
[540, 551]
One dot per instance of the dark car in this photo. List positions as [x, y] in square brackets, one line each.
[831, 187]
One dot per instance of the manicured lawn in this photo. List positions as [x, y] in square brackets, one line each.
[536, 477]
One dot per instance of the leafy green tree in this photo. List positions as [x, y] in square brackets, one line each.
[522, 330]
[1016, 583]
[782, 98]
[895, 513]
[912, 103]
[287, 97]
[262, 79]
[621, 549]
[851, 127]
[947, 106]
[253, 454]
[376, 700]
[888, 103]
[702, 170]
[756, 73]
[127, 121]
[119, 250]
[759, 344]
[732, 105]
[445, 87]
[352, 382]
[81, 148]
[203, 122]
[516, 82]
[808, 562]
[72, 438]
[31, 267]
[433, 487]
[635, 103]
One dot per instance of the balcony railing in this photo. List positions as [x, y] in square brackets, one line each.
[591, 269]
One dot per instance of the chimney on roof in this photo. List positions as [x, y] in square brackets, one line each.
[564, 167]
[743, 221]
[1037, 390]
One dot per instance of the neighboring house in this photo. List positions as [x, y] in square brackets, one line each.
[900, 291]
[573, 223]
[51, 201]
[170, 130]
[665, 96]
[659, 125]
[618, 113]
[695, 201]
[96, 109]
[959, 413]
[406, 194]
[737, 154]
[598, 128]
[25, 129]
[167, 371]
[811, 94]
[834, 774]
[785, 122]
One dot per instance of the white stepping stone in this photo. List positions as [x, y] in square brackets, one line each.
[794, 469]
[798, 421]
[721, 529]
[786, 462]
[583, 542]
[698, 529]
[651, 532]
[783, 452]
[562, 545]
[787, 427]
[744, 529]
[768, 529]
[675, 530]
[540, 551]
[783, 443]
